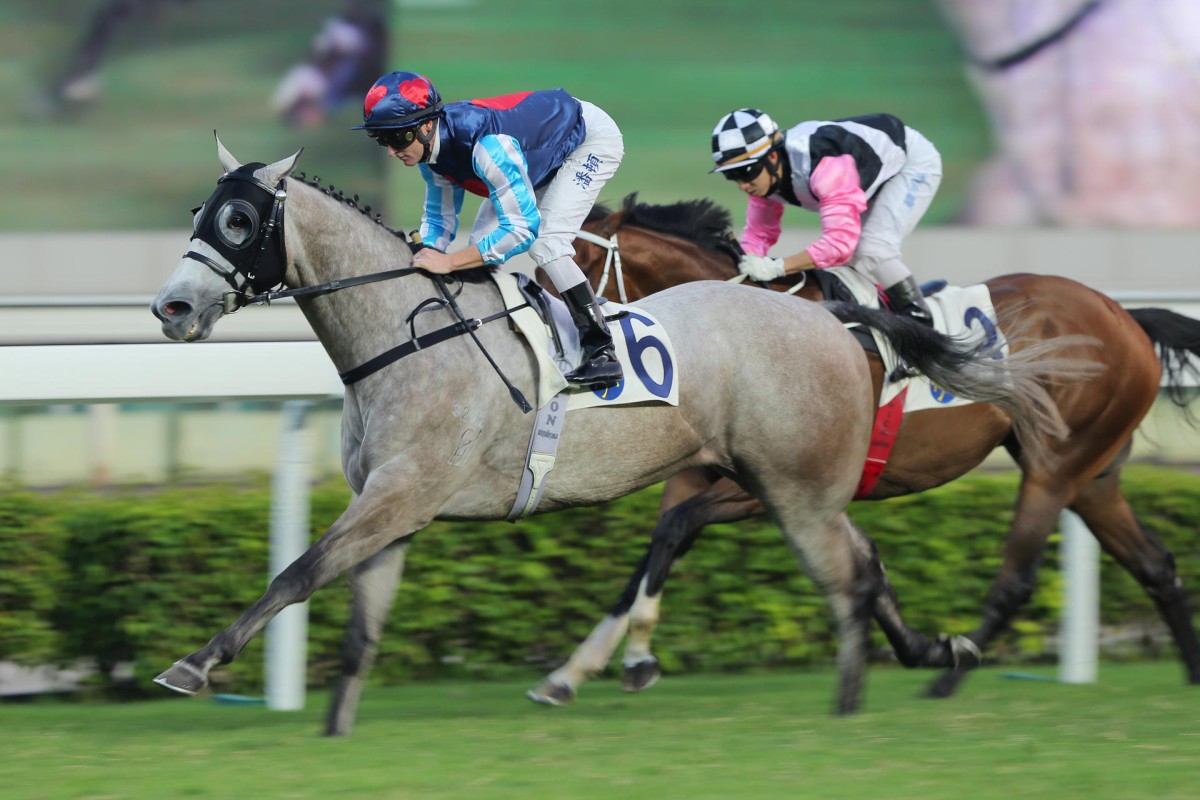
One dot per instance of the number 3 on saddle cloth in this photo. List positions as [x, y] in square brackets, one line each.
[963, 312]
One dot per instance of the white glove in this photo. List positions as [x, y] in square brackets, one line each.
[761, 268]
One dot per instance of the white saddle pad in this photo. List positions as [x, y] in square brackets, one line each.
[642, 346]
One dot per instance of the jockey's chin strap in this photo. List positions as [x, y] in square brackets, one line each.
[611, 261]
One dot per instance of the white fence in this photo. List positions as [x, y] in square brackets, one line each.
[297, 372]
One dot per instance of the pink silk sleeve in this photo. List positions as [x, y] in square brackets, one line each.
[762, 225]
[835, 185]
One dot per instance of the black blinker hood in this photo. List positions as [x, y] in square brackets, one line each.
[261, 260]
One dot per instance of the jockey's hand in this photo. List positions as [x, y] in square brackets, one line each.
[761, 268]
[434, 261]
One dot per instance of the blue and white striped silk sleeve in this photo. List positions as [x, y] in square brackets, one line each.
[443, 202]
[499, 162]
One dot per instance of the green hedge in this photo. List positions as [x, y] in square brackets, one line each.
[145, 577]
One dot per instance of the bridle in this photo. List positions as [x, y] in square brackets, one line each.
[264, 267]
[248, 200]
[260, 260]
[611, 261]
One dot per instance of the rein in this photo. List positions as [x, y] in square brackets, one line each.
[465, 325]
[271, 252]
[799, 284]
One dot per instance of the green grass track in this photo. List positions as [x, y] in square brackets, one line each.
[1134, 734]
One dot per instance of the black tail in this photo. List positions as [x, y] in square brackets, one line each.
[1176, 337]
[1015, 383]
[919, 346]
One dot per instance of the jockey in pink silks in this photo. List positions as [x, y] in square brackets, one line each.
[870, 178]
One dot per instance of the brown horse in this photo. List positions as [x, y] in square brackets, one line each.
[659, 246]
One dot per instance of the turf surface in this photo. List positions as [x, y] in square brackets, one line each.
[1136, 733]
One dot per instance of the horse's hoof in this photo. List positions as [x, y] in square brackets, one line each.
[967, 654]
[641, 676]
[552, 694]
[943, 686]
[182, 677]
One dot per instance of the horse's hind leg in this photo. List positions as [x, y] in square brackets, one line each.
[1108, 516]
[1036, 515]
[373, 583]
[850, 584]
[912, 648]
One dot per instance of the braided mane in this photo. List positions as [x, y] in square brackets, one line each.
[337, 194]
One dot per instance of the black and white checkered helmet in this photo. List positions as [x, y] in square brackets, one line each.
[742, 137]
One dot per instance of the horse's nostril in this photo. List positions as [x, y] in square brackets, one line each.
[175, 308]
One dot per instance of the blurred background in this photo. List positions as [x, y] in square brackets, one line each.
[1069, 130]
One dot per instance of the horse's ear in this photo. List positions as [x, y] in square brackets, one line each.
[274, 173]
[228, 162]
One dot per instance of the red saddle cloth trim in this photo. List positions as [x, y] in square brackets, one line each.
[883, 437]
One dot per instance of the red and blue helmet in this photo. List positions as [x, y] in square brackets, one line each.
[400, 100]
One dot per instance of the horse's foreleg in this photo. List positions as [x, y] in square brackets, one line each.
[1108, 516]
[592, 656]
[636, 611]
[369, 524]
[1035, 517]
[374, 583]
[640, 668]
[677, 530]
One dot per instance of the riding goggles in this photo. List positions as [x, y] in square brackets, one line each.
[744, 174]
[395, 138]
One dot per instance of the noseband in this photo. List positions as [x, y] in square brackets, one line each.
[242, 202]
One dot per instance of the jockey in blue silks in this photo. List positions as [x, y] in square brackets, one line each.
[540, 158]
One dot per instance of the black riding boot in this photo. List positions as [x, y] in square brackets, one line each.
[599, 365]
[906, 298]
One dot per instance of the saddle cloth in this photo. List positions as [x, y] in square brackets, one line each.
[641, 343]
[965, 313]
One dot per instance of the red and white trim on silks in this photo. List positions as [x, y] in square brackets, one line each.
[883, 437]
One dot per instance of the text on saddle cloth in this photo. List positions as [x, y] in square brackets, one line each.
[964, 313]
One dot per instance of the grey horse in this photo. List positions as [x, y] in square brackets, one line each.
[773, 391]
